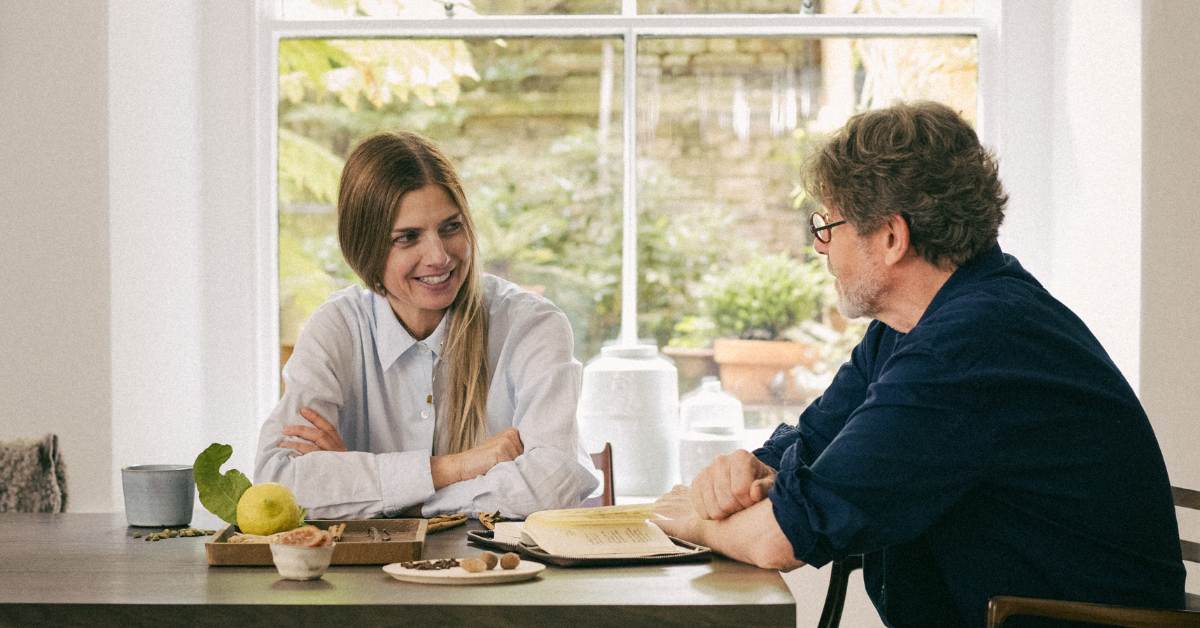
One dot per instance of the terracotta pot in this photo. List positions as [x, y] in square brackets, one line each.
[693, 365]
[748, 368]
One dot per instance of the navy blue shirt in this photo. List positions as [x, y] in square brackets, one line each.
[995, 449]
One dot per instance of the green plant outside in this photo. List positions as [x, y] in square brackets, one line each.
[765, 297]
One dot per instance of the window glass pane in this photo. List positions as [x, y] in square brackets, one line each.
[725, 249]
[533, 126]
[430, 9]
[826, 7]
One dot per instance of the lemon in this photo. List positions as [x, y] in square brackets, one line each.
[267, 508]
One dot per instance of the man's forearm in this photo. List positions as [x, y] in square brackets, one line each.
[751, 536]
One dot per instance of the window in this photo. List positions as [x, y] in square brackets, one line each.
[634, 163]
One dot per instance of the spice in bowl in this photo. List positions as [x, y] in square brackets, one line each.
[303, 553]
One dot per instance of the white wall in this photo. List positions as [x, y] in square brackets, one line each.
[181, 156]
[126, 177]
[1170, 344]
[155, 220]
[1096, 171]
[1070, 157]
[231, 308]
[1025, 131]
[54, 244]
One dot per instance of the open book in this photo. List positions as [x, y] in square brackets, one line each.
[606, 532]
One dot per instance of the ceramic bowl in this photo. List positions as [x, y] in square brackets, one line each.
[158, 495]
[301, 563]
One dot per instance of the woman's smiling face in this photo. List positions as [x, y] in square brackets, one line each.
[428, 260]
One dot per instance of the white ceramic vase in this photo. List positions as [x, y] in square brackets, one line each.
[630, 398]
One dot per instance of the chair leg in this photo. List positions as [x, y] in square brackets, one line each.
[835, 598]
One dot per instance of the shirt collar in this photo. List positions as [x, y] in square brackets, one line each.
[392, 340]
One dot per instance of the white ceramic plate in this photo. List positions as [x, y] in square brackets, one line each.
[457, 575]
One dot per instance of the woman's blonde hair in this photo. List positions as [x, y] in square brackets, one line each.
[378, 173]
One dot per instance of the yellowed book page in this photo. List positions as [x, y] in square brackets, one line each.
[636, 513]
[596, 539]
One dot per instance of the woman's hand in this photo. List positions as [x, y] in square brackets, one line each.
[322, 436]
[731, 484]
[503, 447]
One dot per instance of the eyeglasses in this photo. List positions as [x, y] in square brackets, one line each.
[820, 229]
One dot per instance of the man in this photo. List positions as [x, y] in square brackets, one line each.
[979, 442]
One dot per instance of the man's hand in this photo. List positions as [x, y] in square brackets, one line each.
[503, 447]
[322, 436]
[730, 484]
[682, 522]
[751, 536]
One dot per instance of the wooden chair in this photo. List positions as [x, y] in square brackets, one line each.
[835, 597]
[1001, 607]
[603, 461]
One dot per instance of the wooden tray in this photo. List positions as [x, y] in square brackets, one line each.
[356, 547]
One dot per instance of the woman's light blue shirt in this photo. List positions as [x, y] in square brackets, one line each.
[355, 365]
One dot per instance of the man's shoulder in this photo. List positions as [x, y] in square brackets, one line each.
[997, 302]
[994, 320]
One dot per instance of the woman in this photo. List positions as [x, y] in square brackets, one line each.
[439, 390]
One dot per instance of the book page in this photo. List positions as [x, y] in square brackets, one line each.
[507, 532]
[602, 539]
[636, 513]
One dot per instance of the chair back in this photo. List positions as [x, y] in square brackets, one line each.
[602, 460]
[32, 476]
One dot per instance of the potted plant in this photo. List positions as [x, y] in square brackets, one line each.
[751, 307]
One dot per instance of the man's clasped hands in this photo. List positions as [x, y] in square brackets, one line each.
[729, 485]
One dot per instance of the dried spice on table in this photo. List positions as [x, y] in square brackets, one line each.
[489, 519]
[443, 522]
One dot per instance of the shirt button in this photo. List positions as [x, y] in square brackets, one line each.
[424, 349]
[424, 414]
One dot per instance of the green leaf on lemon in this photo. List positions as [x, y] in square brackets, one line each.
[219, 493]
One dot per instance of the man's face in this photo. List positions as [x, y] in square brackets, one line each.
[857, 272]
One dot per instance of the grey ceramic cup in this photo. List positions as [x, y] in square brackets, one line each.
[158, 495]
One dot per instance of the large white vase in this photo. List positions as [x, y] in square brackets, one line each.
[630, 398]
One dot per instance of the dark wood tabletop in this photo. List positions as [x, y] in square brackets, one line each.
[88, 570]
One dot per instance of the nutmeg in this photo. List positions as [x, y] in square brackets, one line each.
[473, 565]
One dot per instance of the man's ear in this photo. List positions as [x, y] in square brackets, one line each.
[895, 239]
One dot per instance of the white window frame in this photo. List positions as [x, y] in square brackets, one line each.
[628, 26]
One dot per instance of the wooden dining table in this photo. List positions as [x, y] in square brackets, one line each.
[78, 569]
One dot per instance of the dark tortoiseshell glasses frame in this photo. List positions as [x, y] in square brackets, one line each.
[821, 229]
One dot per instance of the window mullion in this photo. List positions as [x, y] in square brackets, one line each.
[629, 261]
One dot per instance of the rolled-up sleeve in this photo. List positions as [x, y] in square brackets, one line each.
[905, 456]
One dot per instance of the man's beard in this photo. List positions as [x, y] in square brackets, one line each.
[860, 299]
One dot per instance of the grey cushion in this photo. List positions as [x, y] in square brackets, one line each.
[32, 476]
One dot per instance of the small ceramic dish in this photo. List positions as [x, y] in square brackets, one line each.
[301, 563]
